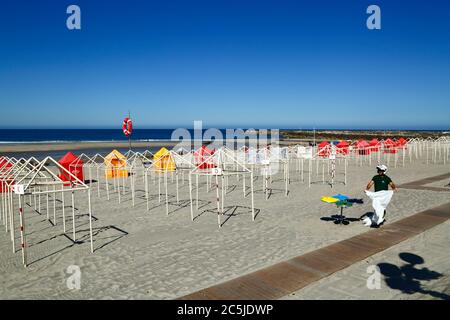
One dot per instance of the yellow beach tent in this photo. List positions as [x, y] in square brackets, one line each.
[163, 160]
[116, 164]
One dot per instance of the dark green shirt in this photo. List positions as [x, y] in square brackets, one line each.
[381, 182]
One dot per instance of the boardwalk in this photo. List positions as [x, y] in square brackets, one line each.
[286, 277]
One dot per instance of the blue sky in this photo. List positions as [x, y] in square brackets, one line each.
[233, 63]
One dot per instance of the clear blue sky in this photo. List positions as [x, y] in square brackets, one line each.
[230, 63]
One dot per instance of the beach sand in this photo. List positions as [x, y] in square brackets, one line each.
[71, 146]
[142, 254]
[11, 148]
[58, 150]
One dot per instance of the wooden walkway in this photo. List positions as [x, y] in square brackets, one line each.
[421, 184]
[286, 277]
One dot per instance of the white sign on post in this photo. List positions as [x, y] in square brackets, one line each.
[216, 171]
[19, 189]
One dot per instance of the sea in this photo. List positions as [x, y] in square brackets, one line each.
[14, 136]
[17, 136]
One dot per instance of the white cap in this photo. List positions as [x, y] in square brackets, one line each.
[382, 167]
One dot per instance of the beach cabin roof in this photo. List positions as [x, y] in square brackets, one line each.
[204, 151]
[222, 159]
[68, 159]
[115, 155]
[362, 144]
[401, 141]
[161, 152]
[4, 163]
[163, 160]
[374, 142]
[147, 154]
[185, 161]
[342, 144]
[96, 160]
[41, 175]
[18, 168]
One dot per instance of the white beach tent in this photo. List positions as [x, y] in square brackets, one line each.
[270, 162]
[331, 161]
[225, 164]
[168, 162]
[97, 162]
[31, 178]
[137, 165]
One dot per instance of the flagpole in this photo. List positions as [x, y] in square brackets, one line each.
[129, 137]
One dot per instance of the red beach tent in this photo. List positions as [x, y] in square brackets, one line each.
[402, 143]
[389, 146]
[363, 147]
[72, 164]
[4, 165]
[323, 149]
[374, 145]
[342, 147]
[203, 159]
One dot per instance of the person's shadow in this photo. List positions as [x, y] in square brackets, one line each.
[407, 278]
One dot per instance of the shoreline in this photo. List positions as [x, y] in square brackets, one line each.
[80, 145]
[84, 145]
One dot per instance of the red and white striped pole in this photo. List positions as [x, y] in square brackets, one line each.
[22, 232]
[73, 217]
[90, 222]
[218, 201]
[12, 231]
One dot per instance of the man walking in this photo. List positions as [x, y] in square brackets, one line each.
[381, 197]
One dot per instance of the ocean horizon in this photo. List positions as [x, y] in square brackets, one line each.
[13, 136]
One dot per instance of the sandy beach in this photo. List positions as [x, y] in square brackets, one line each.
[70, 146]
[142, 254]
[57, 150]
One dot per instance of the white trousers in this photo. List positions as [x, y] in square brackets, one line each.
[380, 201]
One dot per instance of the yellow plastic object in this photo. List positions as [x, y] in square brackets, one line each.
[163, 160]
[116, 164]
[329, 199]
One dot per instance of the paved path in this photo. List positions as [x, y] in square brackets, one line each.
[289, 276]
[285, 278]
[421, 184]
[418, 268]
